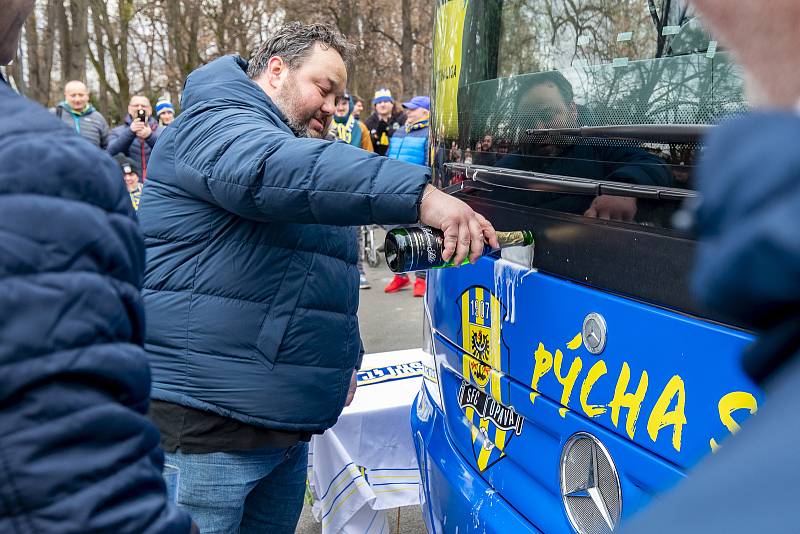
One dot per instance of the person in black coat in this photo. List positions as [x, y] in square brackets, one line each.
[77, 454]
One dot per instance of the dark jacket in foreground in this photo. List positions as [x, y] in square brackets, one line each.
[748, 264]
[251, 286]
[748, 267]
[77, 454]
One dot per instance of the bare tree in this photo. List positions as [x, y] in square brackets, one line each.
[73, 29]
[36, 53]
[150, 46]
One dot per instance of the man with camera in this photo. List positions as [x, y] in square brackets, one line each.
[137, 136]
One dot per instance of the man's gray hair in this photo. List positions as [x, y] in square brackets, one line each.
[294, 42]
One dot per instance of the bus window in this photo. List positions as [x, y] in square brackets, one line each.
[556, 95]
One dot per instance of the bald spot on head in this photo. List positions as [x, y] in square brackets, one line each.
[75, 85]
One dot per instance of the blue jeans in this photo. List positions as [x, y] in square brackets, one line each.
[245, 492]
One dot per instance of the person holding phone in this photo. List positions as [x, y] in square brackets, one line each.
[137, 136]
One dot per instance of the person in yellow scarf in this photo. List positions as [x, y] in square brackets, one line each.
[346, 127]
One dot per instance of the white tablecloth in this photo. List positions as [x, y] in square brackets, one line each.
[366, 464]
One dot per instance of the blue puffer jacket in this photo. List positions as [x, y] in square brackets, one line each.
[749, 256]
[77, 454]
[409, 146]
[251, 288]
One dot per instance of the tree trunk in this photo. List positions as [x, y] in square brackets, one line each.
[40, 54]
[79, 10]
[407, 51]
[73, 30]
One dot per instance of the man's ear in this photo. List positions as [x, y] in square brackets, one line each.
[274, 73]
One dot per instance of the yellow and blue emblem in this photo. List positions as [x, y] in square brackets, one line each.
[486, 356]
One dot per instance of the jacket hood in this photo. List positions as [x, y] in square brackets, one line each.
[88, 110]
[226, 79]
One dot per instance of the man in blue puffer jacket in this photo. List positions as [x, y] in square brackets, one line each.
[251, 287]
[77, 454]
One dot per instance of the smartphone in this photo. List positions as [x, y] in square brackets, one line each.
[141, 115]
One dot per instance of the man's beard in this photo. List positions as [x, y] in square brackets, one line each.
[291, 105]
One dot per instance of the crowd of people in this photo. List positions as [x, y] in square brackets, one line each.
[243, 260]
[131, 142]
[397, 131]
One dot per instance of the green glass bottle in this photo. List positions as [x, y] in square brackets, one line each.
[418, 248]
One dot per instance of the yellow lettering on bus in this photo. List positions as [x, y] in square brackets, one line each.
[631, 401]
[660, 418]
[576, 342]
[567, 382]
[597, 370]
[732, 402]
[543, 362]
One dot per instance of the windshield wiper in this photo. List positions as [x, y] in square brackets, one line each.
[556, 183]
[653, 133]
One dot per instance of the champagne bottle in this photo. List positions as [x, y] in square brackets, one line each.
[418, 248]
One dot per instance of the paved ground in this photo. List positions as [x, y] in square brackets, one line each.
[388, 322]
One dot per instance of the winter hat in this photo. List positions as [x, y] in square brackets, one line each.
[125, 163]
[164, 105]
[382, 95]
[418, 102]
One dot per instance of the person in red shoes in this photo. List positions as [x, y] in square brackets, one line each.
[410, 143]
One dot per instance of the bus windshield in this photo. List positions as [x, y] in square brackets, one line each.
[566, 99]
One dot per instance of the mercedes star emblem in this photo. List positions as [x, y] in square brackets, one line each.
[594, 333]
[590, 485]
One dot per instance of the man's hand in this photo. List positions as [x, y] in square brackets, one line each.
[465, 231]
[141, 129]
[612, 208]
[351, 392]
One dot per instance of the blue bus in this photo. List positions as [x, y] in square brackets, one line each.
[568, 386]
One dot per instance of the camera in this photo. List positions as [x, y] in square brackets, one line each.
[141, 115]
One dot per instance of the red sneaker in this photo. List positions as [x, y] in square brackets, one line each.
[398, 282]
[419, 287]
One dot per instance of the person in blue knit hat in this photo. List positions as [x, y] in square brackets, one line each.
[165, 112]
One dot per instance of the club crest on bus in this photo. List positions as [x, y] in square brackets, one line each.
[493, 423]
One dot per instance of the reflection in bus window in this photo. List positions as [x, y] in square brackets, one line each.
[549, 100]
